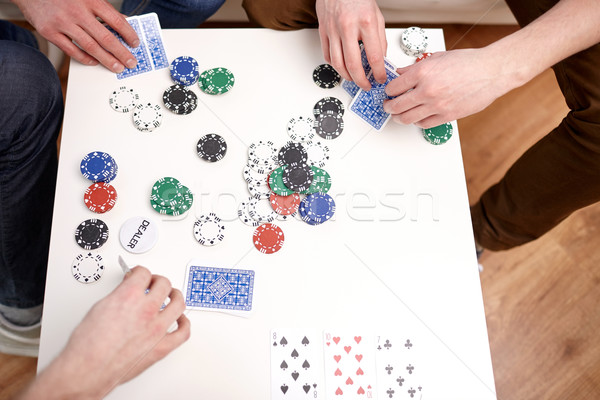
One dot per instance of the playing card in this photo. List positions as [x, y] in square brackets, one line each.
[398, 370]
[296, 364]
[369, 104]
[219, 289]
[349, 366]
[350, 87]
[150, 54]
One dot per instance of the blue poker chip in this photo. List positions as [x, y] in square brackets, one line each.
[98, 166]
[317, 208]
[184, 70]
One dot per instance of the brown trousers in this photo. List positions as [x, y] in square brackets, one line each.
[555, 177]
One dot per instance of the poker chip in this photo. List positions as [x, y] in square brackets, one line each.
[147, 117]
[100, 197]
[276, 182]
[326, 77]
[87, 268]
[244, 214]
[260, 210]
[329, 126]
[261, 191]
[91, 234]
[423, 56]
[208, 230]
[211, 147]
[317, 153]
[282, 217]
[413, 41]
[301, 129]
[321, 181]
[217, 81]
[292, 153]
[99, 166]
[329, 105]
[138, 234]
[170, 197]
[268, 238]
[184, 70]
[180, 100]
[123, 99]
[284, 205]
[438, 134]
[250, 174]
[317, 208]
[262, 154]
[297, 177]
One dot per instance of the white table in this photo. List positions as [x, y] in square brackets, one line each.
[398, 256]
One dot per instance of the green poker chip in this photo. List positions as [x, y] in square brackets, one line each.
[170, 197]
[438, 134]
[216, 81]
[276, 182]
[321, 181]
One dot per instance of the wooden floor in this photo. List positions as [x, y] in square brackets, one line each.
[542, 299]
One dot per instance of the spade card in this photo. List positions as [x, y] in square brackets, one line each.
[296, 364]
[349, 366]
[398, 370]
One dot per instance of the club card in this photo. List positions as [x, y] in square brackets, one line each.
[296, 364]
[219, 289]
[150, 54]
[369, 104]
[349, 365]
[398, 369]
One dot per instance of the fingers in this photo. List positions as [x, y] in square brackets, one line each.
[174, 309]
[375, 53]
[324, 44]
[354, 64]
[138, 279]
[66, 45]
[159, 289]
[117, 21]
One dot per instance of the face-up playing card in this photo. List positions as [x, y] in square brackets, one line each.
[369, 104]
[349, 366]
[296, 364]
[150, 54]
[219, 289]
[398, 370]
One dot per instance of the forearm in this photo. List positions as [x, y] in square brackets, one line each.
[567, 28]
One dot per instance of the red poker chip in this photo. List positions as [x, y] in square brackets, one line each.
[285, 205]
[100, 197]
[268, 238]
[423, 56]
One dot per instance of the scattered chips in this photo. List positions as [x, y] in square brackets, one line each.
[244, 214]
[250, 174]
[321, 181]
[123, 99]
[297, 177]
[147, 117]
[317, 153]
[276, 182]
[292, 153]
[208, 230]
[88, 268]
[211, 147]
[284, 205]
[260, 210]
[414, 41]
[268, 238]
[180, 100]
[138, 234]
[329, 126]
[99, 166]
[326, 77]
[438, 134]
[100, 197]
[262, 154]
[91, 234]
[184, 70]
[301, 129]
[329, 105]
[317, 208]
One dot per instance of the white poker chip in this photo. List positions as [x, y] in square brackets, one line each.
[244, 214]
[147, 117]
[250, 174]
[318, 154]
[263, 154]
[261, 210]
[414, 41]
[87, 268]
[208, 230]
[294, 215]
[261, 191]
[301, 129]
[123, 99]
[138, 234]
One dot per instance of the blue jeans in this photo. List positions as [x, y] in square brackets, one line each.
[174, 13]
[31, 111]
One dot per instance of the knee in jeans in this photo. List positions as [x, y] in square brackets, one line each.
[281, 14]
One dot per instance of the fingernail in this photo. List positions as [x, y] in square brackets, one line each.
[131, 63]
[118, 68]
[92, 62]
[136, 43]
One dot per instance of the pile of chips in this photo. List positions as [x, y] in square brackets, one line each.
[209, 230]
[99, 166]
[414, 41]
[180, 100]
[184, 70]
[326, 77]
[328, 113]
[146, 116]
[216, 81]
[170, 197]
[211, 147]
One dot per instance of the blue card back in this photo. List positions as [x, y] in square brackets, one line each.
[221, 288]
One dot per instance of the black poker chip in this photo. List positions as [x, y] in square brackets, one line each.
[329, 105]
[180, 100]
[91, 234]
[292, 153]
[211, 147]
[298, 177]
[326, 77]
[329, 125]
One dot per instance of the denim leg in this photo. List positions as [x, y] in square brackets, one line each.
[31, 110]
[174, 13]
[9, 31]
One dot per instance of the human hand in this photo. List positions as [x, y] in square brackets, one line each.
[447, 86]
[63, 22]
[121, 336]
[342, 23]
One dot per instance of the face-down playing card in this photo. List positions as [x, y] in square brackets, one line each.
[296, 364]
[398, 369]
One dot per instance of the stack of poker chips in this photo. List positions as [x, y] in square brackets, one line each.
[216, 81]
[100, 168]
[414, 41]
[328, 113]
[170, 197]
